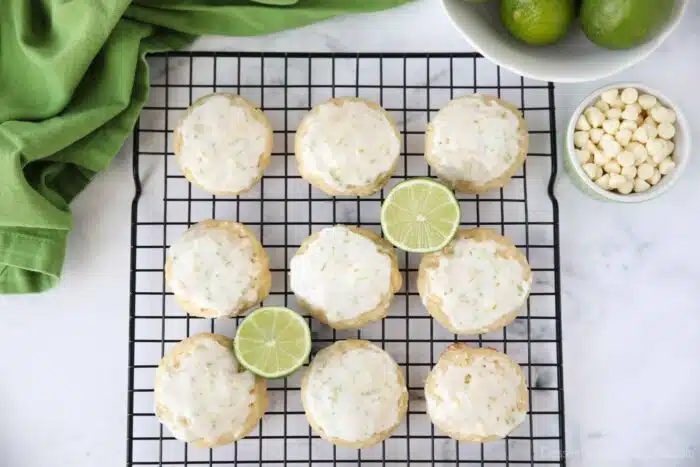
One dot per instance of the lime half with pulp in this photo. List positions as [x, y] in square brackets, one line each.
[420, 215]
[272, 342]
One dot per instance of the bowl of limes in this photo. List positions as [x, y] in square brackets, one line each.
[565, 40]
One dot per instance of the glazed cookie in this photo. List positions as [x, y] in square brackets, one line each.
[354, 394]
[347, 146]
[223, 144]
[476, 284]
[345, 276]
[476, 394]
[202, 394]
[218, 268]
[476, 143]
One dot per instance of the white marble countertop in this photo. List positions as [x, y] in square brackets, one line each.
[630, 281]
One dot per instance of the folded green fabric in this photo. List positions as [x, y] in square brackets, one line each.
[73, 79]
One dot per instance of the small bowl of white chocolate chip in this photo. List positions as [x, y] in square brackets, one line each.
[626, 142]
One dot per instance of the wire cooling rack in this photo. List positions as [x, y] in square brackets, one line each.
[283, 209]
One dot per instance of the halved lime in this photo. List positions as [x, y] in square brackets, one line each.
[420, 215]
[272, 342]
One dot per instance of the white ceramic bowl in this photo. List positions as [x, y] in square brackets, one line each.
[573, 59]
[681, 153]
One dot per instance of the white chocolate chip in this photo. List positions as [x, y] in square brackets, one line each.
[629, 172]
[609, 96]
[657, 159]
[606, 138]
[634, 108]
[600, 158]
[602, 106]
[640, 186]
[645, 171]
[611, 126]
[661, 114]
[594, 116]
[582, 124]
[634, 145]
[666, 166]
[612, 167]
[616, 180]
[639, 151]
[625, 158]
[596, 134]
[603, 182]
[670, 116]
[593, 171]
[591, 147]
[618, 104]
[629, 96]
[670, 146]
[652, 130]
[640, 156]
[630, 113]
[613, 114]
[647, 101]
[655, 178]
[666, 130]
[656, 148]
[630, 125]
[626, 188]
[659, 148]
[610, 148]
[640, 134]
[580, 139]
[583, 156]
[623, 137]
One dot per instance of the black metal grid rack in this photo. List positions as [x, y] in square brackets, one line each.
[283, 209]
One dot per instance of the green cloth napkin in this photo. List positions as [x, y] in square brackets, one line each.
[73, 79]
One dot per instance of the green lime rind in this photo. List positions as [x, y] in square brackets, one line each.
[420, 215]
[272, 342]
[538, 22]
[621, 24]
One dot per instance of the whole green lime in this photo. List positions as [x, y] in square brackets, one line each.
[621, 24]
[538, 22]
